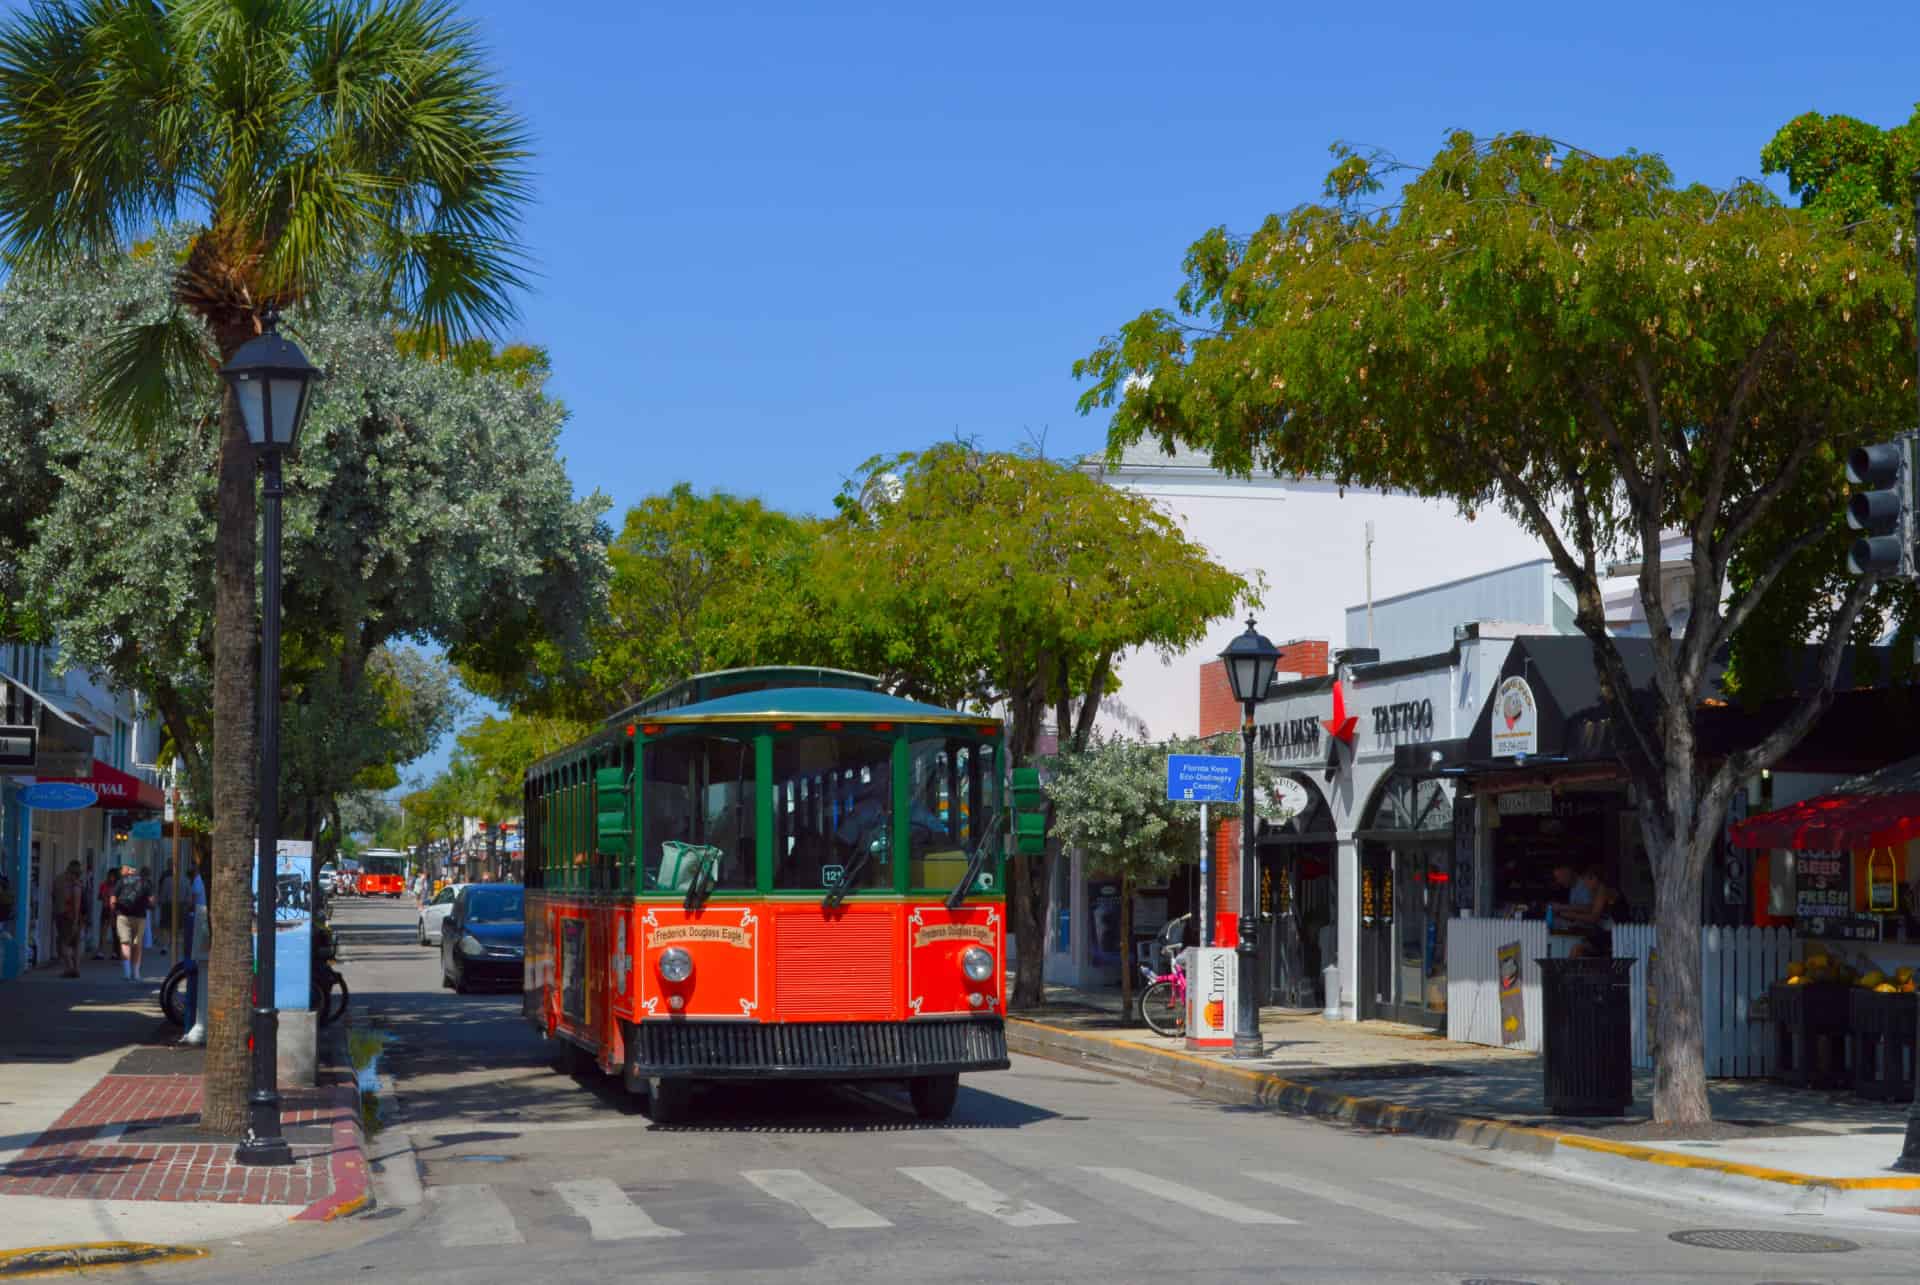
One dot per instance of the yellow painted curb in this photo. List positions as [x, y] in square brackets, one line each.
[1760, 1173]
[1387, 1112]
[49, 1260]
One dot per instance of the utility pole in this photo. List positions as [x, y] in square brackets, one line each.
[1369, 583]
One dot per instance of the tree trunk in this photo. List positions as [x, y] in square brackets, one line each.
[1679, 857]
[1026, 916]
[230, 890]
[1126, 948]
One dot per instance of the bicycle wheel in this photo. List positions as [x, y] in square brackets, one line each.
[1163, 1011]
[173, 996]
[330, 997]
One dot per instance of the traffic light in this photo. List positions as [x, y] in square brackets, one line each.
[1886, 512]
[1029, 813]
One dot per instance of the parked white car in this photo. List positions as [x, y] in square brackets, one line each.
[434, 913]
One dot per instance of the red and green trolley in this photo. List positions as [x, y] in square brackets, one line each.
[771, 873]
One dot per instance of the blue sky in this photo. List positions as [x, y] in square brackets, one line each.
[774, 240]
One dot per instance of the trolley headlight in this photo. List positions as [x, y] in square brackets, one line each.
[676, 965]
[977, 964]
[470, 946]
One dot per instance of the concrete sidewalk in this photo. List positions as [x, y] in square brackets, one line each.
[98, 1127]
[1769, 1145]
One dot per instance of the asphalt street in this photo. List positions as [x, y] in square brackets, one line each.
[1046, 1172]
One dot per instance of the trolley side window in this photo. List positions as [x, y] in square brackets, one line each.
[832, 811]
[696, 794]
[953, 793]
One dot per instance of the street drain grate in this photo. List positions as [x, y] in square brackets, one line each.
[1494, 1280]
[1764, 1242]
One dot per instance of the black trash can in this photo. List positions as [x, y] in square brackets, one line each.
[1586, 1007]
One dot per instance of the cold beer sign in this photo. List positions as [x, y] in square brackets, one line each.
[1212, 973]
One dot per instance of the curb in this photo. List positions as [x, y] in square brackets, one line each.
[46, 1260]
[1174, 1068]
[352, 1188]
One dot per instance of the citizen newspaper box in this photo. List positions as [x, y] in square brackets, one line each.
[1212, 972]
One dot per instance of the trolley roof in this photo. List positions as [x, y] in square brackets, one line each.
[815, 705]
[726, 682]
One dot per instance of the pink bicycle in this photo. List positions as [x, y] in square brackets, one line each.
[1164, 1002]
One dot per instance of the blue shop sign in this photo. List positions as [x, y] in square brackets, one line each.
[149, 829]
[58, 796]
[1203, 778]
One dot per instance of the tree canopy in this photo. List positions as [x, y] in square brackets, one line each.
[1606, 353]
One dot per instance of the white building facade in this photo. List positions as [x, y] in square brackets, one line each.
[1306, 540]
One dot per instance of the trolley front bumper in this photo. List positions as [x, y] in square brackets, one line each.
[693, 1049]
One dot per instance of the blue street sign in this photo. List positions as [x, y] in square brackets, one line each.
[1203, 778]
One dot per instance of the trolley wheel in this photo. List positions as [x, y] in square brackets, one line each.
[933, 1095]
[669, 1101]
[1164, 1013]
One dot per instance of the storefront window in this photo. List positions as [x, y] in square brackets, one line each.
[832, 811]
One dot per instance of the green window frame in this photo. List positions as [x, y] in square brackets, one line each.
[984, 796]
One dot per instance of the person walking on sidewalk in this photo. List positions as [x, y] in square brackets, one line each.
[69, 916]
[132, 899]
[199, 944]
[109, 875]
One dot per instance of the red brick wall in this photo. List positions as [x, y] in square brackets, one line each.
[1219, 712]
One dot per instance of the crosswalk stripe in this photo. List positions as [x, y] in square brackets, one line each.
[817, 1200]
[1512, 1209]
[468, 1214]
[965, 1189]
[609, 1213]
[1200, 1201]
[1359, 1200]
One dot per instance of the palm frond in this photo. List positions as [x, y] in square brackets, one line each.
[150, 373]
[90, 109]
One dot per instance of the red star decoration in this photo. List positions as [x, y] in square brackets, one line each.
[1341, 726]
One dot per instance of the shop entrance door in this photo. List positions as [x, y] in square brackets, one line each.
[1374, 984]
[1422, 904]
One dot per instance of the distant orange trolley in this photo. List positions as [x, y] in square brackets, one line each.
[383, 873]
[777, 873]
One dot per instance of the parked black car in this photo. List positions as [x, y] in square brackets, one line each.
[483, 939]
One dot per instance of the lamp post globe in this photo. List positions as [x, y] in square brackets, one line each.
[270, 378]
[1249, 660]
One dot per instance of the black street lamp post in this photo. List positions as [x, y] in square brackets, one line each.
[270, 378]
[1250, 661]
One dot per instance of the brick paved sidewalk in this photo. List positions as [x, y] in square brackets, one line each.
[134, 1137]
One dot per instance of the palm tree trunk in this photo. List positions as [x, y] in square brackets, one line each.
[230, 891]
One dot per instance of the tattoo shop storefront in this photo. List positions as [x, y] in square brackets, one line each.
[1364, 874]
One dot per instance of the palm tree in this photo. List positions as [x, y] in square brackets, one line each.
[299, 139]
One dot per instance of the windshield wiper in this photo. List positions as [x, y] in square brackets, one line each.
[853, 870]
[701, 886]
[976, 862]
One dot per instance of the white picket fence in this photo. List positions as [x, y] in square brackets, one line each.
[1736, 967]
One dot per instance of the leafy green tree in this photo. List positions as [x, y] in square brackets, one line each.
[489, 769]
[1109, 799]
[310, 137]
[1605, 354]
[977, 578]
[697, 582]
